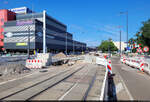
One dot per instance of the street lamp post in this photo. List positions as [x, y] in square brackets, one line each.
[66, 43]
[82, 48]
[120, 52]
[28, 42]
[44, 31]
[73, 46]
[109, 47]
[120, 43]
[126, 23]
[127, 27]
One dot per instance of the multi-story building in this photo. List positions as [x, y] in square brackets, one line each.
[28, 27]
[5, 16]
[117, 44]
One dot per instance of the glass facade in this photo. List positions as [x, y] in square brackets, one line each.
[18, 31]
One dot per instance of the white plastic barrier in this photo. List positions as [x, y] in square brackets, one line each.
[123, 59]
[144, 66]
[138, 62]
[101, 61]
[107, 64]
[128, 61]
[33, 63]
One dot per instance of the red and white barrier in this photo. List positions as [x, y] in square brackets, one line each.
[138, 62]
[109, 67]
[33, 63]
[105, 62]
[123, 59]
[142, 67]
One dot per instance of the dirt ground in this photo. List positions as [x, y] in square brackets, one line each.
[15, 71]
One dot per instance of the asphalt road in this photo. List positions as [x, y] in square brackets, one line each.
[137, 83]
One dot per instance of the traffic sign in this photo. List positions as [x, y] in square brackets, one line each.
[128, 48]
[146, 49]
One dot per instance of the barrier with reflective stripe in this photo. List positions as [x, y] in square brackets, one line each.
[109, 67]
[101, 61]
[138, 62]
[33, 63]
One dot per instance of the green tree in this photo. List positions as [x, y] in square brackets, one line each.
[105, 45]
[143, 35]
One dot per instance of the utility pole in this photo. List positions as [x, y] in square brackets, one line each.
[109, 48]
[120, 44]
[73, 46]
[126, 23]
[44, 31]
[127, 27]
[28, 42]
[66, 43]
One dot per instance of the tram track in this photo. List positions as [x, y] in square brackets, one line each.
[73, 84]
[19, 95]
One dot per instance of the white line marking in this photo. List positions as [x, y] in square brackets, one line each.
[119, 87]
[128, 92]
[62, 97]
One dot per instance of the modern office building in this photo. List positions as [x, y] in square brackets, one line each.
[5, 16]
[27, 26]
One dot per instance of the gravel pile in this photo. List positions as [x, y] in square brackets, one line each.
[60, 55]
[13, 68]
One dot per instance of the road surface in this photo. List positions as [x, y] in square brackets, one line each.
[137, 84]
[78, 82]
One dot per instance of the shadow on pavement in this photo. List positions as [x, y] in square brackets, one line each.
[111, 89]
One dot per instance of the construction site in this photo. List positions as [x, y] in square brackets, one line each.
[64, 78]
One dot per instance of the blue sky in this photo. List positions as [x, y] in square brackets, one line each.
[91, 21]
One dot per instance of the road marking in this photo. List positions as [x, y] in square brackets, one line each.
[62, 97]
[128, 92]
[119, 87]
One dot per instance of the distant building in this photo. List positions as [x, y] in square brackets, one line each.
[5, 16]
[117, 44]
[16, 32]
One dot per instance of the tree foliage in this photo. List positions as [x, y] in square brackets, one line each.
[143, 35]
[105, 45]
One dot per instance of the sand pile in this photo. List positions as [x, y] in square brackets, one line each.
[60, 55]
